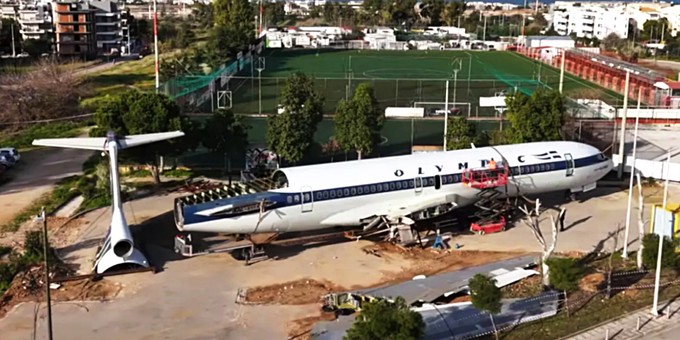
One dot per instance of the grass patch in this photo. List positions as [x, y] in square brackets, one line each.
[596, 311]
[178, 173]
[31, 255]
[23, 139]
[65, 190]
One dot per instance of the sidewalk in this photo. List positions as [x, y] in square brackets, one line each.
[625, 327]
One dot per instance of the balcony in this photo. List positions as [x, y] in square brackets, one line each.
[117, 32]
[104, 23]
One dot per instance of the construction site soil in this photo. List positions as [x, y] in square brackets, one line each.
[427, 261]
[30, 286]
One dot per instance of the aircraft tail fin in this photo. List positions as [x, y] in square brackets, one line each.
[99, 143]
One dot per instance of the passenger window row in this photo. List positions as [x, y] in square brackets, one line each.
[435, 181]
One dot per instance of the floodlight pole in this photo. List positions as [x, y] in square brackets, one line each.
[622, 139]
[155, 45]
[260, 67]
[446, 113]
[630, 185]
[564, 54]
[655, 306]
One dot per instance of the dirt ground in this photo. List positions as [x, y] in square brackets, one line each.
[424, 261]
[299, 292]
[29, 286]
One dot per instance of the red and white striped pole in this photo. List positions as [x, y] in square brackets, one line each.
[155, 44]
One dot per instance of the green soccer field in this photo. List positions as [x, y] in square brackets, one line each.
[402, 78]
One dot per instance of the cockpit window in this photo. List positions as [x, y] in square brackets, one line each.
[280, 180]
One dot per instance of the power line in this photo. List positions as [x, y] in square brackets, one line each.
[49, 120]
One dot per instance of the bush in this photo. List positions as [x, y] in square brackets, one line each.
[387, 320]
[565, 273]
[484, 293]
[669, 259]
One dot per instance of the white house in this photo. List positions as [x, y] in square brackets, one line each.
[597, 20]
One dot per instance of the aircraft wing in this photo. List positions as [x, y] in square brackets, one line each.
[99, 143]
[95, 143]
[391, 209]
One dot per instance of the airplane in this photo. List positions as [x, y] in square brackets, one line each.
[399, 189]
[118, 248]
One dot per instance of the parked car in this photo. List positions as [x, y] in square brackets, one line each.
[441, 112]
[7, 160]
[12, 152]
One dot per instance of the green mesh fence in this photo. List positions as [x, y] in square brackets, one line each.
[247, 91]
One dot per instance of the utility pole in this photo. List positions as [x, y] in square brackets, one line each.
[655, 306]
[484, 34]
[622, 139]
[446, 113]
[564, 54]
[43, 219]
[632, 177]
[524, 17]
[155, 45]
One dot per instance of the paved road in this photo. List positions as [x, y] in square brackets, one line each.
[35, 175]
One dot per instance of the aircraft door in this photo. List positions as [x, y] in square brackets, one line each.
[418, 184]
[307, 199]
[570, 164]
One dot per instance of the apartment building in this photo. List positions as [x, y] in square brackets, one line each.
[9, 10]
[36, 20]
[589, 21]
[87, 28]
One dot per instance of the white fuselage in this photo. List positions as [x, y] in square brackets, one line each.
[347, 193]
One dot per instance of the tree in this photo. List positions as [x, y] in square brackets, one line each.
[531, 221]
[46, 92]
[460, 133]
[6, 36]
[383, 319]
[656, 29]
[612, 42]
[135, 112]
[565, 273]
[452, 12]
[227, 134]
[236, 27]
[536, 118]
[358, 122]
[486, 296]
[37, 47]
[669, 259]
[433, 10]
[202, 14]
[274, 12]
[291, 133]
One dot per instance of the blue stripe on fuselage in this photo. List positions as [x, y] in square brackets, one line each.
[294, 198]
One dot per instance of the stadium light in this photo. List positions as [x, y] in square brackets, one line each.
[655, 305]
[632, 176]
[622, 139]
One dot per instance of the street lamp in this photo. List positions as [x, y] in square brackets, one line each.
[259, 67]
[43, 219]
[457, 65]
